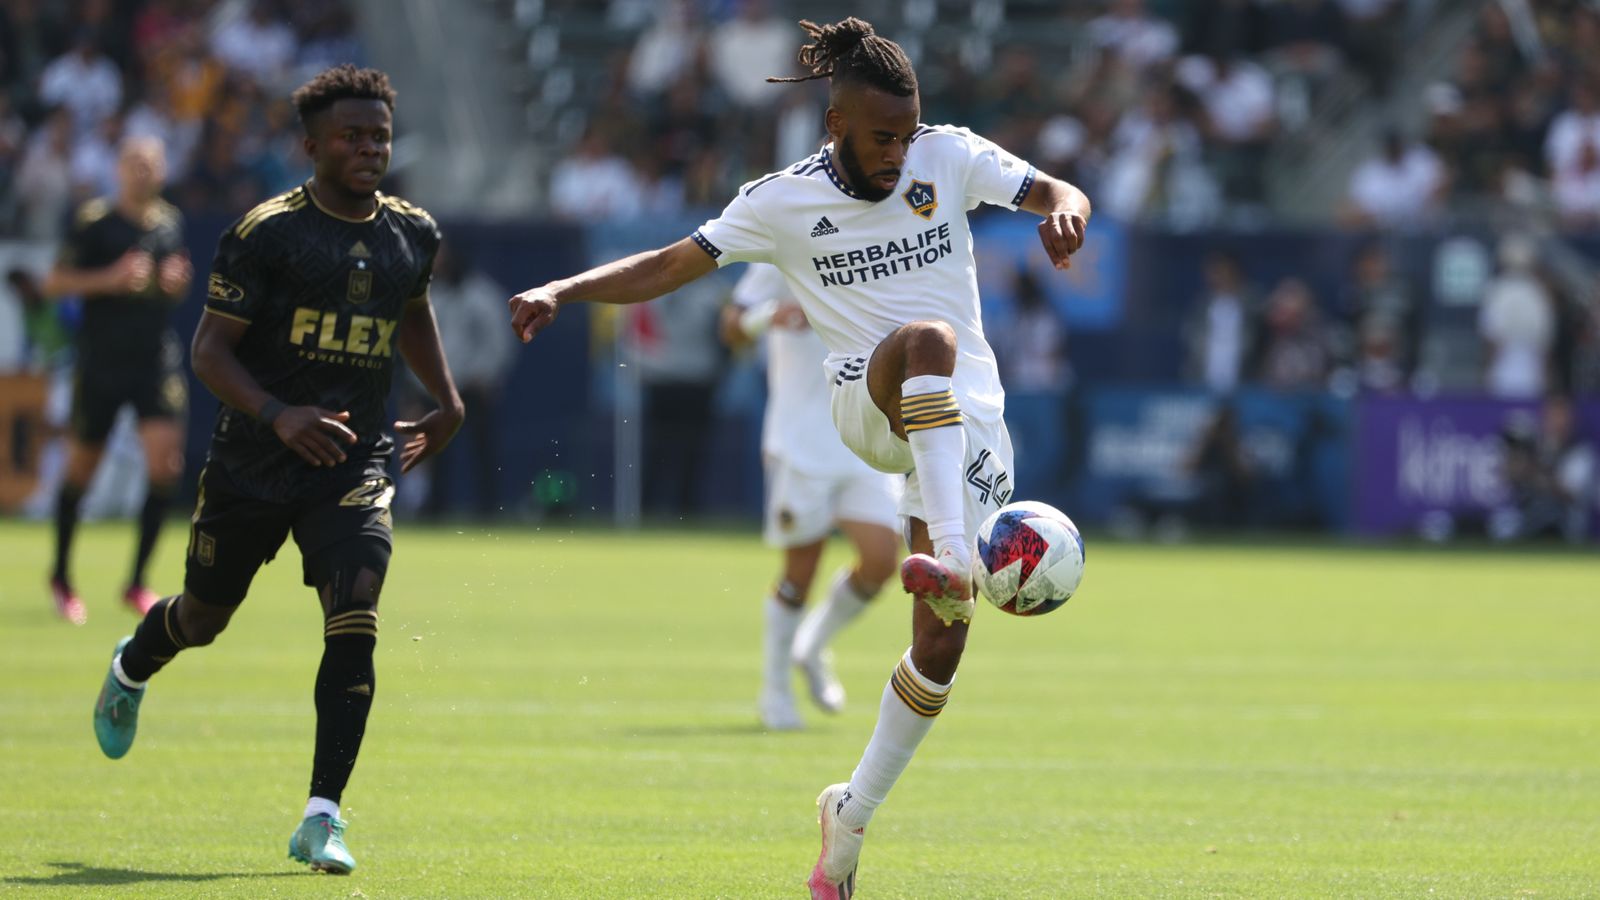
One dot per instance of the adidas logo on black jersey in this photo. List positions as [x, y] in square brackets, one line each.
[824, 227]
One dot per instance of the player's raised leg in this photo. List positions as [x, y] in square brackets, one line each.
[171, 625]
[852, 589]
[909, 377]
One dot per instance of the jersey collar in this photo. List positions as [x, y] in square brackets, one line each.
[377, 206]
[833, 176]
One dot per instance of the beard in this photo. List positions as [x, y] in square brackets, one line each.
[859, 180]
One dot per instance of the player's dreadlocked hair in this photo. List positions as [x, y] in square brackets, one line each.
[344, 82]
[850, 51]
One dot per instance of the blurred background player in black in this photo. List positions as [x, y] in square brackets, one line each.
[311, 295]
[125, 257]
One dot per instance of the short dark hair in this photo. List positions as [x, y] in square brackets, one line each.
[851, 52]
[344, 82]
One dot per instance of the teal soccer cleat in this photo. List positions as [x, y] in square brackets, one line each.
[116, 712]
[319, 843]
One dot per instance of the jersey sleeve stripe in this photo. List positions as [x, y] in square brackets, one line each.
[1027, 184]
[705, 244]
[218, 312]
[752, 187]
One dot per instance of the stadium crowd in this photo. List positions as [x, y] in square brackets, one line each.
[209, 80]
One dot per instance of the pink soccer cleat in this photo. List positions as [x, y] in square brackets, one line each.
[68, 606]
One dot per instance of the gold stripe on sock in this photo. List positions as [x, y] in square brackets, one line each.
[923, 424]
[904, 672]
[369, 632]
[917, 698]
[166, 622]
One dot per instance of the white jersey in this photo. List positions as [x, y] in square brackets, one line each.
[797, 427]
[861, 269]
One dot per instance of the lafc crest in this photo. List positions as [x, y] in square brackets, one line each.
[921, 198]
[360, 287]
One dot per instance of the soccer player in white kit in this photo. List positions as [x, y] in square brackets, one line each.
[814, 483]
[871, 234]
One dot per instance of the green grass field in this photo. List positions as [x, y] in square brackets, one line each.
[571, 714]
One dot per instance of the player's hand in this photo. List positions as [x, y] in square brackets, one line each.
[316, 435]
[130, 274]
[791, 317]
[531, 312]
[429, 435]
[1062, 235]
[174, 274]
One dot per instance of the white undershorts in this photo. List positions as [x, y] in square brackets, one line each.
[987, 461]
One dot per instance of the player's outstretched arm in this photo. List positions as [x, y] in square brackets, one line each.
[130, 274]
[634, 279]
[317, 435]
[1066, 213]
[418, 340]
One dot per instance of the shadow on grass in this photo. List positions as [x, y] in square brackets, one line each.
[70, 873]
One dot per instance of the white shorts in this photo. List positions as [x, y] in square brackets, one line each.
[802, 508]
[986, 473]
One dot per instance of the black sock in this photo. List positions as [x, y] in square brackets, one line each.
[345, 684]
[68, 499]
[155, 642]
[151, 517]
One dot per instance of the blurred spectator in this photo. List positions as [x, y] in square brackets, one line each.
[1304, 37]
[1378, 322]
[679, 357]
[750, 47]
[594, 183]
[85, 81]
[1224, 477]
[94, 160]
[1517, 322]
[258, 43]
[665, 50]
[1295, 351]
[1398, 188]
[470, 308]
[1573, 130]
[1576, 190]
[1550, 476]
[1128, 33]
[1032, 349]
[1372, 31]
[44, 180]
[1223, 329]
[1156, 169]
[1240, 114]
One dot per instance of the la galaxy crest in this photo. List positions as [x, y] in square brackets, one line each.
[921, 198]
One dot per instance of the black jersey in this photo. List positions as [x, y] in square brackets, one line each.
[123, 332]
[323, 296]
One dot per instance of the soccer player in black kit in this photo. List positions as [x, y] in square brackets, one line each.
[311, 295]
[125, 257]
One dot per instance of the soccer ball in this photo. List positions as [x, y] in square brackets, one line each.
[1028, 559]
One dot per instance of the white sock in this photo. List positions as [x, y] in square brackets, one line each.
[932, 419]
[782, 620]
[129, 683]
[910, 704]
[827, 618]
[321, 806]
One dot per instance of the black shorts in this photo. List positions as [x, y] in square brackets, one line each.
[233, 533]
[161, 392]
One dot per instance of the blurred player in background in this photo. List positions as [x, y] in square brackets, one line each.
[814, 483]
[871, 234]
[311, 295]
[125, 257]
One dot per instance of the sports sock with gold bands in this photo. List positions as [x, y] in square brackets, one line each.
[910, 704]
[932, 420]
[345, 685]
[155, 642]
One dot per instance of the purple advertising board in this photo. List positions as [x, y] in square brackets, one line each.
[1415, 457]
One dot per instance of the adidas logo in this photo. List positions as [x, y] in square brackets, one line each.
[362, 689]
[824, 227]
[360, 251]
